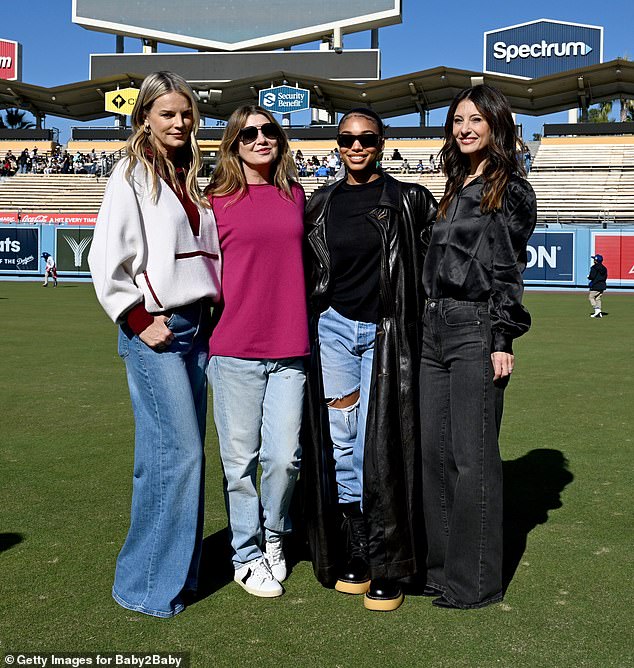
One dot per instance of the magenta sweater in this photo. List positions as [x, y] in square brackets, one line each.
[263, 299]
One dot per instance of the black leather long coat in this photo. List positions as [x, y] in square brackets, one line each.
[391, 496]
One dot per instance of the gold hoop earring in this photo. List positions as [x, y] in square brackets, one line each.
[146, 128]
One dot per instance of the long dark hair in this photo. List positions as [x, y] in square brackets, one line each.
[502, 160]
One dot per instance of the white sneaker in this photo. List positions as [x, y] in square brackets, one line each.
[257, 579]
[275, 559]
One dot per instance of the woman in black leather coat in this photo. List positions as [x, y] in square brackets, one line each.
[473, 279]
[366, 239]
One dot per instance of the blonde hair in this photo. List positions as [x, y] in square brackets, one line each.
[141, 147]
[228, 177]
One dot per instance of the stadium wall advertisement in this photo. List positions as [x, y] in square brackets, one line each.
[617, 249]
[19, 250]
[38, 218]
[550, 258]
[542, 47]
[556, 258]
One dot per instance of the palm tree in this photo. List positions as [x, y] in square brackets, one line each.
[600, 113]
[14, 119]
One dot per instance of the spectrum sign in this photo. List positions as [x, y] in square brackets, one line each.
[550, 258]
[10, 60]
[542, 47]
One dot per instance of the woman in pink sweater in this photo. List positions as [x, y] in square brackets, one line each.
[259, 341]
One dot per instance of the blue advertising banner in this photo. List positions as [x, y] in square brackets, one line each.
[551, 258]
[538, 48]
[19, 249]
[285, 99]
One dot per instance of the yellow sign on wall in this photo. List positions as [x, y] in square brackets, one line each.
[121, 101]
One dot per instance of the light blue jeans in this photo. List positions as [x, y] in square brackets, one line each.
[161, 554]
[347, 353]
[258, 406]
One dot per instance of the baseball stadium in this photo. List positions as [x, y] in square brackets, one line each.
[68, 431]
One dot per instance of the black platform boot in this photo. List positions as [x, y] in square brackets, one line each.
[355, 578]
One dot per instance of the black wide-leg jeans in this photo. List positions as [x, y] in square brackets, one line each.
[462, 469]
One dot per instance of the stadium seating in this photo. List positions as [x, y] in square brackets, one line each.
[585, 180]
[52, 193]
[580, 180]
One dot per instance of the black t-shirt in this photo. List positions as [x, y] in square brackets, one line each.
[354, 244]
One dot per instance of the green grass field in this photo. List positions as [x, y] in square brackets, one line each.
[66, 439]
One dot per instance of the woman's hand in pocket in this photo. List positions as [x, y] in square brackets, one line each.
[157, 336]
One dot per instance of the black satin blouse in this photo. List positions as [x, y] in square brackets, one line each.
[480, 257]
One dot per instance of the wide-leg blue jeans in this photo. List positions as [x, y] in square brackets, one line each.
[161, 554]
[462, 469]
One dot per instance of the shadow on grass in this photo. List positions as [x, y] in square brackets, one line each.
[8, 540]
[532, 486]
[216, 569]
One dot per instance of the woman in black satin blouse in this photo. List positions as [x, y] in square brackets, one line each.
[473, 280]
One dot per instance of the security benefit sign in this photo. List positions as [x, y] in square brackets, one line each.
[550, 258]
[538, 48]
[19, 250]
[121, 101]
[73, 244]
[285, 99]
[617, 249]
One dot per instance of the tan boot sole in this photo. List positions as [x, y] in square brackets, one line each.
[352, 587]
[382, 604]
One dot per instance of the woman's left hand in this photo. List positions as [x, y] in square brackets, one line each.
[503, 364]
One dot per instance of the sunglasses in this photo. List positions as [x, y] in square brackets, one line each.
[249, 134]
[367, 140]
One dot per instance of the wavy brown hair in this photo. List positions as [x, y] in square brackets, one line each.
[141, 147]
[501, 158]
[228, 177]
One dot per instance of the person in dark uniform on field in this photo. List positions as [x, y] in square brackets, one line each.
[597, 282]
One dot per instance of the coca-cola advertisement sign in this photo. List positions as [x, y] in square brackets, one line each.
[10, 60]
[41, 218]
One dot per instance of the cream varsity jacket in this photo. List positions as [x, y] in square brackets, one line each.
[146, 251]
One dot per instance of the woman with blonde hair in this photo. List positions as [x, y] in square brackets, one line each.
[155, 263]
[259, 341]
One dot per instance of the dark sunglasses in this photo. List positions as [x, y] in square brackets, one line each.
[367, 140]
[249, 134]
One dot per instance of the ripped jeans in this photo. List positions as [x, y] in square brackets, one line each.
[347, 352]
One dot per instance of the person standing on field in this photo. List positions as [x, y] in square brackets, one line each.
[597, 281]
[155, 263]
[472, 278]
[49, 270]
[259, 341]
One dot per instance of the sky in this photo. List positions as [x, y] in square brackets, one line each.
[55, 51]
